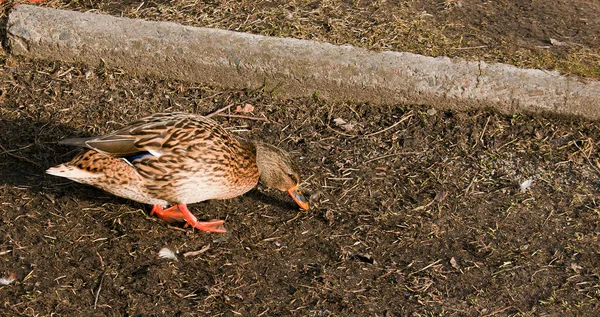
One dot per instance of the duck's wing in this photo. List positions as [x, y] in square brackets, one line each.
[156, 134]
[118, 147]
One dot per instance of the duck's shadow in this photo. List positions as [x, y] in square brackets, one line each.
[28, 148]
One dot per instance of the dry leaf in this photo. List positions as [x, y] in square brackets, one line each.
[247, 108]
[343, 124]
[339, 121]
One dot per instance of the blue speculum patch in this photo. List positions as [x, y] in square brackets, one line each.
[137, 156]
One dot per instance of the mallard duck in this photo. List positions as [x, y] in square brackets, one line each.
[176, 159]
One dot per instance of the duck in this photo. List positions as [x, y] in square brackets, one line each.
[171, 160]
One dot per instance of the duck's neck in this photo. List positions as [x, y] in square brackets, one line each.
[260, 150]
[271, 161]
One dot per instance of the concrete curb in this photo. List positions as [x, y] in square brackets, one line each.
[296, 68]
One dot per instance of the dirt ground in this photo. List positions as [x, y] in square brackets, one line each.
[415, 211]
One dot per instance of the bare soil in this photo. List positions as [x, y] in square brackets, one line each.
[415, 211]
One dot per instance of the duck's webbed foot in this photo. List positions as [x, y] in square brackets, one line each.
[181, 213]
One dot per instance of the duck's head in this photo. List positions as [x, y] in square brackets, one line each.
[277, 170]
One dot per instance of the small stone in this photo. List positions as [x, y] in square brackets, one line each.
[454, 263]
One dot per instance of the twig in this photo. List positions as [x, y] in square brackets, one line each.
[424, 206]
[484, 128]
[426, 267]
[243, 117]
[220, 110]
[176, 228]
[7, 152]
[195, 253]
[65, 72]
[231, 105]
[264, 312]
[101, 260]
[381, 131]
[342, 133]
[15, 150]
[406, 117]
[587, 157]
[497, 311]
[98, 291]
[390, 155]
[468, 48]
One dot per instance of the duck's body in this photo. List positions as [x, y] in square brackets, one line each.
[178, 159]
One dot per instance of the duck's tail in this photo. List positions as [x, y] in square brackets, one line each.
[71, 172]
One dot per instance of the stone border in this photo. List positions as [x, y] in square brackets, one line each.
[294, 68]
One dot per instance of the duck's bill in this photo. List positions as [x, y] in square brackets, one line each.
[298, 198]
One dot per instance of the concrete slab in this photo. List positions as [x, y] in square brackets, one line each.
[295, 68]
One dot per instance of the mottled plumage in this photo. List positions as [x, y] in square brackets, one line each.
[179, 159]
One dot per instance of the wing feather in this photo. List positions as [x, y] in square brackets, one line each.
[158, 133]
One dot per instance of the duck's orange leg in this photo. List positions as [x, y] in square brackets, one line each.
[181, 213]
[171, 214]
[210, 226]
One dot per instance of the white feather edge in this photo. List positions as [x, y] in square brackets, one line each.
[71, 172]
[156, 153]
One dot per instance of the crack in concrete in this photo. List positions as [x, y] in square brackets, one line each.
[479, 74]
